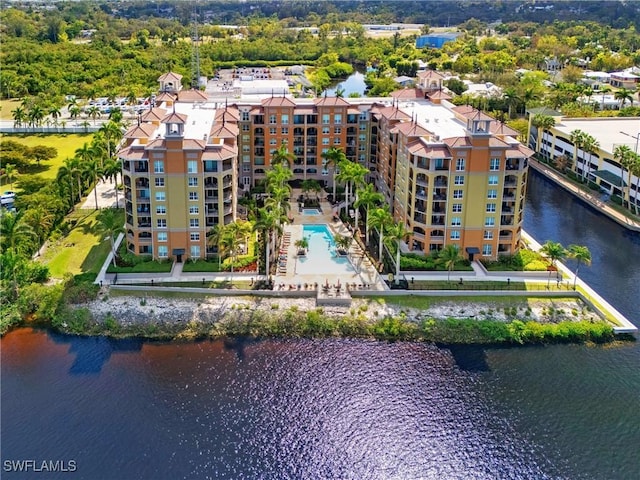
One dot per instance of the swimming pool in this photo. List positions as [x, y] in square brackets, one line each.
[321, 255]
[310, 211]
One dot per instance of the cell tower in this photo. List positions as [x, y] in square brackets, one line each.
[195, 49]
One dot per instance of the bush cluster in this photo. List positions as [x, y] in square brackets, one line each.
[523, 260]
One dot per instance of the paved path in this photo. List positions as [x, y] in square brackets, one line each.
[106, 196]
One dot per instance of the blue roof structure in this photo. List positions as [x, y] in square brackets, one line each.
[436, 40]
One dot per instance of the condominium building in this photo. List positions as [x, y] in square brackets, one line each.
[451, 174]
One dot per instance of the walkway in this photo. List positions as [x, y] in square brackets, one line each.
[611, 212]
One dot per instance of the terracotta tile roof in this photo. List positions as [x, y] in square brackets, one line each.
[458, 142]
[156, 114]
[519, 152]
[165, 96]
[394, 113]
[496, 142]
[430, 74]
[438, 152]
[174, 117]
[144, 130]
[221, 152]
[228, 130]
[499, 128]
[130, 153]
[193, 144]
[192, 96]
[412, 129]
[331, 102]
[170, 76]
[439, 95]
[407, 94]
[278, 102]
[158, 143]
[229, 114]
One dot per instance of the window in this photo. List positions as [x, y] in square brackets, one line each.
[273, 141]
[246, 181]
[246, 167]
[326, 130]
[493, 179]
[363, 127]
[337, 130]
[336, 141]
[489, 221]
[245, 116]
[362, 138]
[488, 235]
[325, 141]
[486, 250]
[193, 181]
[456, 221]
[457, 208]
[459, 180]
[161, 210]
[193, 210]
[273, 130]
[158, 166]
[494, 164]
[457, 194]
[491, 207]
[245, 128]
[163, 251]
[246, 148]
[193, 195]
[194, 236]
[192, 166]
[246, 158]
[326, 119]
[195, 251]
[272, 119]
[492, 193]
[455, 235]
[460, 165]
[161, 223]
[160, 196]
[285, 119]
[159, 181]
[337, 119]
[246, 138]
[194, 223]
[162, 236]
[285, 130]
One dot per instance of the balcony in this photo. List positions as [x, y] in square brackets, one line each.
[141, 167]
[506, 220]
[420, 217]
[437, 220]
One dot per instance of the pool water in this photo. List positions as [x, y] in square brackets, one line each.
[310, 211]
[321, 257]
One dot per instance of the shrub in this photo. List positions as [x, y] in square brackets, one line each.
[535, 266]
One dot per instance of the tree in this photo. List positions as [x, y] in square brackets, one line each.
[110, 225]
[94, 112]
[623, 95]
[74, 111]
[512, 99]
[555, 252]
[19, 116]
[16, 234]
[42, 153]
[368, 197]
[268, 222]
[635, 171]
[10, 173]
[449, 256]
[590, 145]
[580, 254]
[110, 170]
[40, 221]
[625, 156]
[395, 234]
[380, 219]
[302, 245]
[604, 91]
[94, 173]
[542, 123]
[577, 138]
[282, 156]
[332, 158]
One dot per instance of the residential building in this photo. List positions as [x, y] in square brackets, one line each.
[452, 175]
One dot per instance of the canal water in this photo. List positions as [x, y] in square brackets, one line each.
[339, 409]
[353, 84]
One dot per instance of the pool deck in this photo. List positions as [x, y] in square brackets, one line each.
[365, 276]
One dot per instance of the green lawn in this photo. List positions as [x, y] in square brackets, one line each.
[6, 107]
[81, 251]
[423, 303]
[201, 266]
[151, 266]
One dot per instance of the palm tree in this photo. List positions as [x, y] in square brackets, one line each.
[19, 116]
[333, 157]
[577, 138]
[214, 239]
[590, 145]
[93, 112]
[110, 225]
[380, 219]
[110, 170]
[278, 176]
[542, 123]
[54, 112]
[35, 116]
[449, 256]
[282, 156]
[512, 98]
[16, 234]
[74, 111]
[604, 91]
[635, 171]
[307, 187]
[625, 156]
[367, 197]
[623, 95]
[343, 242]
[395, 234]
[94, 173]
[302, 245]
[10, 173]
[268, 222]
[580, 254]
[40, 221]
[554, 251]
